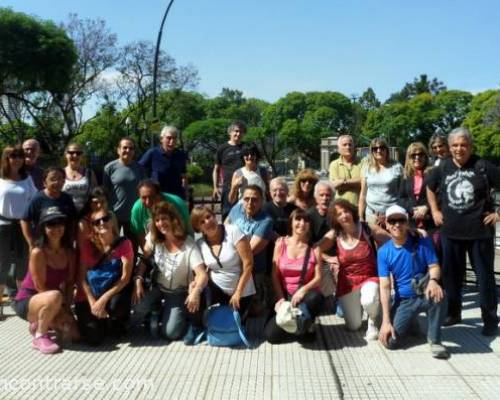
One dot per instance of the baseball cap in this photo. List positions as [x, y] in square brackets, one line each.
[395, 210]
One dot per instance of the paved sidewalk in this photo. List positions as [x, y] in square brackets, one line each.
[338, 365]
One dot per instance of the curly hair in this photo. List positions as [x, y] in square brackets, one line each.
[304, 175]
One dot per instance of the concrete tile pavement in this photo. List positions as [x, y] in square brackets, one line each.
[338, 365]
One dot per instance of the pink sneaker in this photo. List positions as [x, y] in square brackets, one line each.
[45, 344]
[32, 328]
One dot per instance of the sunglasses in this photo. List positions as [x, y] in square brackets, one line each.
[102, 220]
[417, 155]
[394, 221]
[311, 181]
[378, 148]
[74, 152]
[55, 222]
[250, 199]
[18, 156]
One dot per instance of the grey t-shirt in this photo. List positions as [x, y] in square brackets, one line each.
[121, 182]
[382, 187]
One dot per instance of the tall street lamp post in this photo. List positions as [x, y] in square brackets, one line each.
[155, 67]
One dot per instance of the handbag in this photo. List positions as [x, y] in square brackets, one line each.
[224, 328]
[295, 320]
[105, 273]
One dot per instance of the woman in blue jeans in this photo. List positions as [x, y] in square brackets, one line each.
[180, 277]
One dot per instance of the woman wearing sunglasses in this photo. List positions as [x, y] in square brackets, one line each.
[45, 296]
[249, 174]
[16, 191]
[79, 180]
[296, 277]
[104, 310]
[380, 180]
[303, 189]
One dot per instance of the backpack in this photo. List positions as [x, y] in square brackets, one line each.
[224, 328]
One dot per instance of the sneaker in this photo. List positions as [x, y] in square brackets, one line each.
[452, 320]
[371, 331]
[489, 330]
[439, 351]
[45, 344]
[32, 328]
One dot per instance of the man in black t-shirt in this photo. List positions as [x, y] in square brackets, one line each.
[467, 219]
[227, 160]
[278, 208]
[320, 225]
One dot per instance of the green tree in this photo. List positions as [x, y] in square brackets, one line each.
[420, 85]
[417, 119]
[299, 121]
[35, 55]
[483, 121]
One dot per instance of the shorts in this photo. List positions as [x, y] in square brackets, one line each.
[21, 307]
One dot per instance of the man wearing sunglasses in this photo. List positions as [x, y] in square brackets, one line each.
[409, 258]
[166, 163]
[257, 225]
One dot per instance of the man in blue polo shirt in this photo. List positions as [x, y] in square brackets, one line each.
[166, 164]
[257, 225]
[409, 258]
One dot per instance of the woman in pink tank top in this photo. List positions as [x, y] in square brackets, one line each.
[296, 277]
[45, 295]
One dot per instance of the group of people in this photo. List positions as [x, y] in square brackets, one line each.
[377, 238]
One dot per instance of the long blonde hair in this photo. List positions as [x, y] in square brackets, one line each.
[372, 162]
[413, 147]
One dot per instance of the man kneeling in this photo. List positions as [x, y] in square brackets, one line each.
[409, 258]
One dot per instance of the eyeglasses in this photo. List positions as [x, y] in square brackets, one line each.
[419, 155]
[169, 138]
[55, 222]
[102, 220]
[74, 152]
[18, 156]
[378, 148]
[394, 221]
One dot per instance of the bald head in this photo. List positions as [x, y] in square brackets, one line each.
[31, 148]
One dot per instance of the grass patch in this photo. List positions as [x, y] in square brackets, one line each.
[201, 190]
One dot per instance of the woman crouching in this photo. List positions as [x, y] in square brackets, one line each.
[296, 277]
[45, 295]
[174, 293]
[105, 270]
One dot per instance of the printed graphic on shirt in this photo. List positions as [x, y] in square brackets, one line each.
[460, 190]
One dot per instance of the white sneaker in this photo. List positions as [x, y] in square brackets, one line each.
[371, 331]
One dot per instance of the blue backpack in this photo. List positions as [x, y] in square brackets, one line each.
[224, 328]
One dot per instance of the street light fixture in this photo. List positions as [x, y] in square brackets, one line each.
[155, 67]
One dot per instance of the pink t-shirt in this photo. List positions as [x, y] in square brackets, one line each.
[290, 269]
[418, 180]
[89, 256]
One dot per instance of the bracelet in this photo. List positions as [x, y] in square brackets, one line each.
[434, 279]
[139, 278]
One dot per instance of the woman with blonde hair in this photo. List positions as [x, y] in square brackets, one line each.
[303, 189]
[380, 180]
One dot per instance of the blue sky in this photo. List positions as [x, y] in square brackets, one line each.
[267, 48]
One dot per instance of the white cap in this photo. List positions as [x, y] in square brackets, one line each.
[395, 210]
